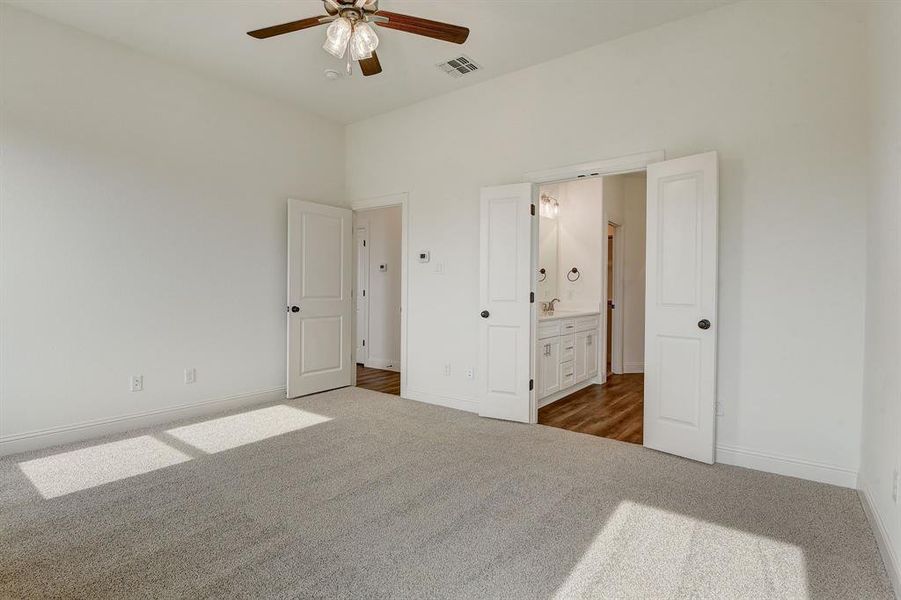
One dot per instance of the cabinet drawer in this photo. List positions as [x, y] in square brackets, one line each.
[567, 369]
[548, 329]
[588, 323]
[567, 348]
[567, 326]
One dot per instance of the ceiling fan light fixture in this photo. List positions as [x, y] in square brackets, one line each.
[336, 37]
[364, 41]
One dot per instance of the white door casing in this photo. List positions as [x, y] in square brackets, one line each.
[508, 262]
[681, 280]
[320, 303]
[361, 248]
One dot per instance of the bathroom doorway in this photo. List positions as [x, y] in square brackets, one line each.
[591, 310]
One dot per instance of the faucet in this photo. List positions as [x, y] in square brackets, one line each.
[549, 306]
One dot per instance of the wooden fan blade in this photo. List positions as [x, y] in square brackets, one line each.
[268, 32]
[371, 66]
[433, 29]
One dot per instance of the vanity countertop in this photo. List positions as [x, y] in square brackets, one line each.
[565, 314]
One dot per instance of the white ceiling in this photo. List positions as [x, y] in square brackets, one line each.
[506, 35]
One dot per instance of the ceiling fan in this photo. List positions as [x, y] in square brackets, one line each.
[350, 32]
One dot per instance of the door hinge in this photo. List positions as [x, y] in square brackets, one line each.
[364, 343]
[532, 209]
[364, 243]
[531, 384]
[364, 293]
[531, 297]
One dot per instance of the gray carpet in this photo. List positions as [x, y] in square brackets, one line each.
[364, 495]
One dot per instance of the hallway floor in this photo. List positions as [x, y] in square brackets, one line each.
[614, 410]
[378, 380]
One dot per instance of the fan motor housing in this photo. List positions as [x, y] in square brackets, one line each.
[370, 7]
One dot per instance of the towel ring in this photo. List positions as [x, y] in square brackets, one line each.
[573, 271]
[542, 274]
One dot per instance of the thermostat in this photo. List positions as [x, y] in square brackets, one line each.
[424, 256]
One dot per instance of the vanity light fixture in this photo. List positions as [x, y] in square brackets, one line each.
[550, 208]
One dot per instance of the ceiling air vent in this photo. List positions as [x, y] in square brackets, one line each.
[458, 67]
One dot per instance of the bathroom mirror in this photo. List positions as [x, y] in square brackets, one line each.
[547, 258]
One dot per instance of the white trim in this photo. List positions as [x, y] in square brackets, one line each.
[53, 436]
[786, 465]
[633, 367]
[361, 282]
[598, 168]
[403, 200]
[382, 363]
[445, 401]
[564, 393]
[892, 563]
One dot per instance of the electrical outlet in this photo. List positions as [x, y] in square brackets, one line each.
[896, 481]
[470, 373]
[447, 369]
[136, 383]
[190, 375]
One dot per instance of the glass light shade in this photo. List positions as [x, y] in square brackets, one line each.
[364, 41]
[336, 37]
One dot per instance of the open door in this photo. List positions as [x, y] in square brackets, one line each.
[680, 307]
[320, 305]
[508, 259]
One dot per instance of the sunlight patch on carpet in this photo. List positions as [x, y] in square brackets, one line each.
[68, 472]
[645, 551]
[232, 431]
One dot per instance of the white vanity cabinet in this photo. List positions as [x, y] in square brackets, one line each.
[548, 366]
[567, 353]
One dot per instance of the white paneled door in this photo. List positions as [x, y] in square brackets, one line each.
[508, 259]
[680, 307]
[320, 304]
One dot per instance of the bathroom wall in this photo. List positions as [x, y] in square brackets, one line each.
[633, 229]
[582, 235]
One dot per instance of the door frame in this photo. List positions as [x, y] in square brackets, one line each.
[402, 200]
[629, 163]
[617, 333]
[361, 280]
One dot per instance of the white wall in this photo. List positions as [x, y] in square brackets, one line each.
[778, 90]
[881, 436]
[582, 235]
[143, 229]
[384, 225]
[634, 233]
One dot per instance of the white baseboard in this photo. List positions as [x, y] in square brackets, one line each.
[891, 560]
[785, 465]
[65, 434]
[438, 400]
[633, 367]
[382, 363]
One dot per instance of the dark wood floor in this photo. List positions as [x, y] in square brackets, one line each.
[614, 410]
[378, 380]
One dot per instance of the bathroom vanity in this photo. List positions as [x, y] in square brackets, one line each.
[566, 353]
